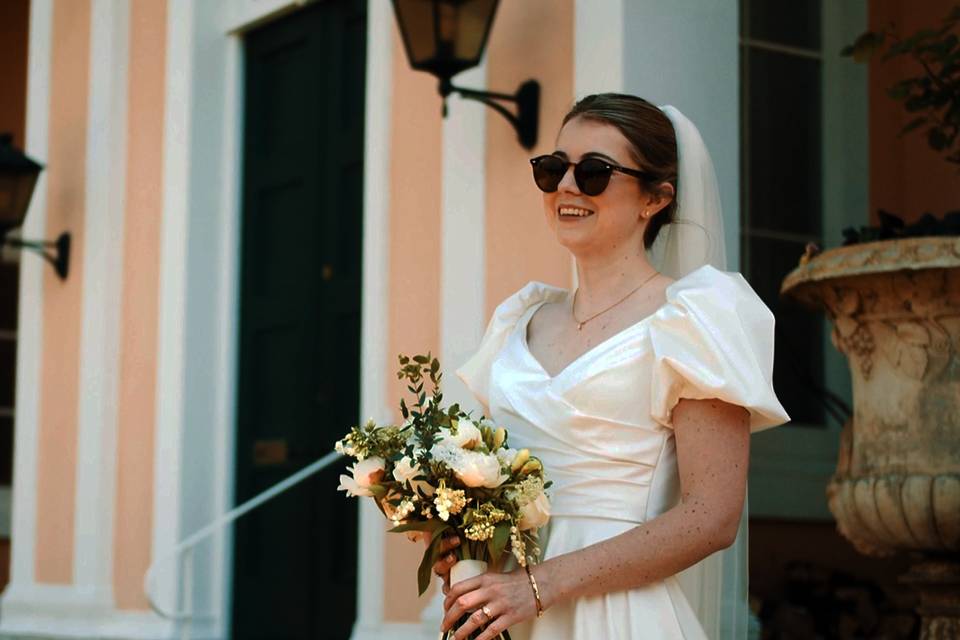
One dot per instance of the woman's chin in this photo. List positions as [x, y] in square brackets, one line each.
[575, 243]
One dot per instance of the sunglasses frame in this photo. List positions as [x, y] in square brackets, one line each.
[609, 167]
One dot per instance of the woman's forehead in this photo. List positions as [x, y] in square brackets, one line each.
[581, 136]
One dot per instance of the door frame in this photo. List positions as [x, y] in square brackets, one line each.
[203, 132]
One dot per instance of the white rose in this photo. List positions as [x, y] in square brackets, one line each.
[467, 436]
[366, 473]
[535, 513]
[405, 471]
[479, 470]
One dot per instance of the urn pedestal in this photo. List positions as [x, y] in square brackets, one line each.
[895, 310]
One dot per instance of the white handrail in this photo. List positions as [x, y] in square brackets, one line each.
[191, 541]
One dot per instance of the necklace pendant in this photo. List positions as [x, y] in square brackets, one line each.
[579, 326]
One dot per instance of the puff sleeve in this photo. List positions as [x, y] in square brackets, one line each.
[714, 339]
[475, 372]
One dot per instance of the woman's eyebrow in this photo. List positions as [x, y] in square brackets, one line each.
[597, 154]
[588, 154]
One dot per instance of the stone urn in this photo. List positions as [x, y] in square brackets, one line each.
[895, 309]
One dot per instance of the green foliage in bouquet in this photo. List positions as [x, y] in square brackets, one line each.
[443, 472]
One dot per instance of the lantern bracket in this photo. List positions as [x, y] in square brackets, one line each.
[59, 258]
[527, 98]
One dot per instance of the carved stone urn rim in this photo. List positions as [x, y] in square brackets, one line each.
[883, 256]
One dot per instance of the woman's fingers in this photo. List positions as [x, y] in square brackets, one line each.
[449, 542]
[498, 626]
[474, 621]
[442, 566]
[465, 603]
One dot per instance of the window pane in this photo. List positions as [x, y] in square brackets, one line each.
[795, 23]
[8, 358]
[6, 451]
[783, 151]
[9, 286]
[798, 351]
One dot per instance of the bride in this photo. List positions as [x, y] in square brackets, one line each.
[638, 390]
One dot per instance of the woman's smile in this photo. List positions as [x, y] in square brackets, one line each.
[570, 212]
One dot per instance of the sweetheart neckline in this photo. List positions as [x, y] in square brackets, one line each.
[669, 292]
[619, 334]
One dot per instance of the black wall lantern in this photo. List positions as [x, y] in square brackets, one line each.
[18, 177]
[445, 37]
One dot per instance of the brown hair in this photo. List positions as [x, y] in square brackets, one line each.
[653, 143]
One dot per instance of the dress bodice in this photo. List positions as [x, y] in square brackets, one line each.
[602, 426]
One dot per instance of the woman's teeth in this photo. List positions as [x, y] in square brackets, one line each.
[575, 211]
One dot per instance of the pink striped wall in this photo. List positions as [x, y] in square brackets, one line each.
[66, 186]
[133, 524]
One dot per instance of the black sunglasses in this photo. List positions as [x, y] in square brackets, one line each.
[592, 174]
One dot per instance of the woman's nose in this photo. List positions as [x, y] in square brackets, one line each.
[568, 183]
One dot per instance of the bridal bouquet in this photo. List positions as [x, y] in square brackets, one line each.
[444, 472]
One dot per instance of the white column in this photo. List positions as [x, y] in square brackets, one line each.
[686, 54]
[598, 59]
[30, 319]
[463, 233]
[374, 314]
[177, 168]
[103, 268]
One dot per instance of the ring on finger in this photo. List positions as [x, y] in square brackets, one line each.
[486, 611]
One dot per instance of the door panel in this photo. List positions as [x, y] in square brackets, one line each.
[295, 557]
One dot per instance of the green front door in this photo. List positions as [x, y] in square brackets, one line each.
[294, 561]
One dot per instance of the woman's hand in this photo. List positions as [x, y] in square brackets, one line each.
[507, 597]
[447, 560]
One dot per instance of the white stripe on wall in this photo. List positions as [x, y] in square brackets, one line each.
[167, 471]
[101, 305]
[374, 315]
[30, 319]
[463, 233]
[598, 45]
[463, 254]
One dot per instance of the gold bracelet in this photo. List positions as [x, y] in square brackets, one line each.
[536, 590]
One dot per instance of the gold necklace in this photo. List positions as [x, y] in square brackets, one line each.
[580, 323]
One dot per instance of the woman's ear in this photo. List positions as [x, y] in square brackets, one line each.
[659, 198]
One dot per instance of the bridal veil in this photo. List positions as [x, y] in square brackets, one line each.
[716, 586]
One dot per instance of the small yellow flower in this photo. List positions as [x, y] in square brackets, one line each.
[449, 501]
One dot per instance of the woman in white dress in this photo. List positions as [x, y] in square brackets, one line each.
[638, 390]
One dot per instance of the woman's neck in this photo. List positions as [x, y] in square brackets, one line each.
[602, 278]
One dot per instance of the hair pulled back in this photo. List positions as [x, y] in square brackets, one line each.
[653, 143]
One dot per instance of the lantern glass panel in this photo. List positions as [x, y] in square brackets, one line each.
[15, 192]
[416, 23]
[472, 23]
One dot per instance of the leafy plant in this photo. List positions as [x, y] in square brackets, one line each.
[892, 226]
[932, 96]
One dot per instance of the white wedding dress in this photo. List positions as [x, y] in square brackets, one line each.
[602, 428]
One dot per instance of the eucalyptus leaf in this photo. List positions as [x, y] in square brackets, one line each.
[501, 535]
[432, 526]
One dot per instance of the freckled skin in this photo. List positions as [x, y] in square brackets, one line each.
[712, 436]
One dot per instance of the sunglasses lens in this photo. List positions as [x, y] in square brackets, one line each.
[548, 172]
[592, 176]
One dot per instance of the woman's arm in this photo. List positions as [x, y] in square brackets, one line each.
[713, 443]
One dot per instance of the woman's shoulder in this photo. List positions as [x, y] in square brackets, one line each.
[708, 290]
